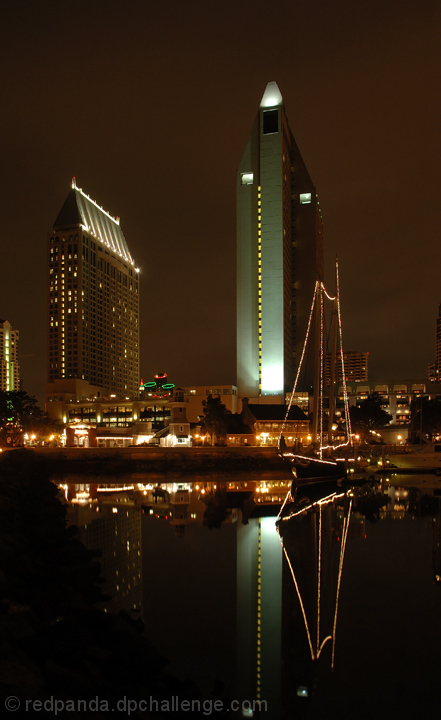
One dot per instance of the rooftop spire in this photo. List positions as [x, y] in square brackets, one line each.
[272, 96]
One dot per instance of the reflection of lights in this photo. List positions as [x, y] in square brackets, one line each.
[114, 488]
[315, 652]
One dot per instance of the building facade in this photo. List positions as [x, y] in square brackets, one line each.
[93, 305]
[195, 395]
[434, 373]
[356, 366]
[10, 369]
[269, 422]
[279, 253]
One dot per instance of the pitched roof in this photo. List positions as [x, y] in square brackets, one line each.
[276, 412]
[79, 209]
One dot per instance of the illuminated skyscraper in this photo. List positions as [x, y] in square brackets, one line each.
[438, 346]
[93, 304]
[279, 252]
[10, 369]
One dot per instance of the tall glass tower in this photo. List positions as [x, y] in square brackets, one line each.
[279, 253]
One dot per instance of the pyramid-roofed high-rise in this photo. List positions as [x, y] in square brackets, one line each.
[93, 304]
[279, 253]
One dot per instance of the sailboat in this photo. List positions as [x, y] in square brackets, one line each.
[321, 464]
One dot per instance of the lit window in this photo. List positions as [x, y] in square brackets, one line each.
[247, 178]
[305, 198]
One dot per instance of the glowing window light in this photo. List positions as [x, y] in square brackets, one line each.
[247, 178]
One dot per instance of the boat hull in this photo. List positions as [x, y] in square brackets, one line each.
[425, 460]
[308, 470]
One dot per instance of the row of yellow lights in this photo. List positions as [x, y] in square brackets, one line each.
[259, 275]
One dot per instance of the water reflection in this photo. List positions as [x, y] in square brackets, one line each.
[255, 608]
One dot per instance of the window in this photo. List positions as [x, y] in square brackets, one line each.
[305, 198]
[247, 178]
[270, 121]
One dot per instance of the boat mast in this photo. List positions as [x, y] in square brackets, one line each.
[317, 364]
[334, 330]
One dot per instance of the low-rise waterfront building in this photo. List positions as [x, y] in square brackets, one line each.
[196, 394]
[268, 422]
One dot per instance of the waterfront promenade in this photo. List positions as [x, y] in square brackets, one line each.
[153, 463]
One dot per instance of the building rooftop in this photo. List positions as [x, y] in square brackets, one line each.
[272, 96]
[80, 209]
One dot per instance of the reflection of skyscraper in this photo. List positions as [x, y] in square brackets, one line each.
[259, 608]
[436, 541]
[113, 527]
[288, 599]
[238, 583]
[279, 252]
[93, 304]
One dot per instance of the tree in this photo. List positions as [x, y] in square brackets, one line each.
[216, 508]
[215, 418]
[20, 414]
[369, 415]
[369, 501]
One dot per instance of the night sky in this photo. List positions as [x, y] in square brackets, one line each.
[150, 106]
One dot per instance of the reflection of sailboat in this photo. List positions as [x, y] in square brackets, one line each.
[321, 464]
[313, 529]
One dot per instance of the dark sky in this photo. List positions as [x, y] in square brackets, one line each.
[150, 106]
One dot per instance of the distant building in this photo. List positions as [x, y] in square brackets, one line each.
[434, 373]
[10, 369]
[93, 305]
[196, 394]
[177, 432]
[396, 399]
[279, 253]
[356, 366]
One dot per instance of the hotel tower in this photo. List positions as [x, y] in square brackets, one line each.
[279, 253]
[93, 305]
